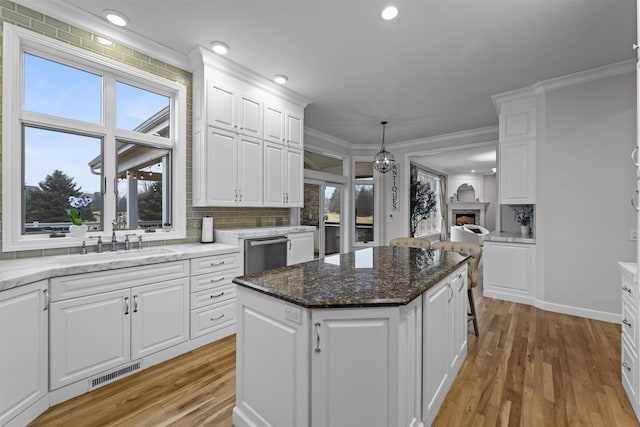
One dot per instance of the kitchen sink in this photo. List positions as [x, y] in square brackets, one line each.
[93, 257]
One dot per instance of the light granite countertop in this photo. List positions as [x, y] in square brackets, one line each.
[504, 237]
[377, 276]
[229, 235]
[14, 273]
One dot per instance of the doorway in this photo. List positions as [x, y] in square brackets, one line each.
[323, 209]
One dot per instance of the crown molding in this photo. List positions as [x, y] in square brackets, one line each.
[490, 131]
[97, 25]
[200, 55]
[327, 138]
[585, 76]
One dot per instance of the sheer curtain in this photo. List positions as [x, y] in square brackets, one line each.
[443, 208]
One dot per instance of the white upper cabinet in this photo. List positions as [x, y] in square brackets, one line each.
[237, 114]
[517, 147]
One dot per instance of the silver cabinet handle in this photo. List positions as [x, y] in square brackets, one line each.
[213, 264]
[634, 156]
[289, 240]
[635, 46]
[626, 322]
[461, 282]
[634, 202]
[216, 280]
[213, 319]
[626, 366]
[317, 337]
[135, 303]
[451, 289]
[239, 195]
[216, 295]
[46, 300]
[235, 198]
[627, 289]
[126, 305]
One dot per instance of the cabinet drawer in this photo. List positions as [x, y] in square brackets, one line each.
[629, 369]
[629, 323]
[212, 296]
[212, 318]
[78, 285]
[214, 263]
[630, 290]
[210, 281]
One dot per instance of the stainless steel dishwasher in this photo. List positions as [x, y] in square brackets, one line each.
[264, 253]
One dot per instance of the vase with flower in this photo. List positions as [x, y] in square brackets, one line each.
[524, 217]
[77, 228]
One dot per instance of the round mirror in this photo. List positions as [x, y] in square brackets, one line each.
[466, 194]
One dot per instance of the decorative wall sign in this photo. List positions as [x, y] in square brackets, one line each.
[394, 190]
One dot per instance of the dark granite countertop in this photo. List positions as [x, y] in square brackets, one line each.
[368, 277]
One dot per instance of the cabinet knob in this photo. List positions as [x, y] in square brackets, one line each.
[626, 366]
[626, 289]
[626, 322]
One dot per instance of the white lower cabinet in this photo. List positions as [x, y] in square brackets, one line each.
[299, 248]
[372, 366]
[95, 333]
[23, 358]
[629, 368]
[509, 271]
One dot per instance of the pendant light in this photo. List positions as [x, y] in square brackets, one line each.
[384, 161]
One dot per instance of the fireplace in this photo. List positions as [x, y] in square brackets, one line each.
[463, 218]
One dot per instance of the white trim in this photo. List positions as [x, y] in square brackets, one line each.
[15, 40]
[485, 131]
[585, 76]
[327, 138]
[201, 56]
[77, 17]
[553, 307]
[579, 311]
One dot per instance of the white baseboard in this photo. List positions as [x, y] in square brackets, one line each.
[579, 311]
[556, 308]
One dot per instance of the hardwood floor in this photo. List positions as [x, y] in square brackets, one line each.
[528, 367]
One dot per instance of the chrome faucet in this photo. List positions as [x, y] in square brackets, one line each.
[83, 249]
[127, 243]
[139, 241]
[99, 244]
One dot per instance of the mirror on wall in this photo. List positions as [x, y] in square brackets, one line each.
[466, 193]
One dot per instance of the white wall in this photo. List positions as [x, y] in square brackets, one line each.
[491, 196]
[585, 180]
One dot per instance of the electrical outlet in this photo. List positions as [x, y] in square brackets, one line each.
[633, 235]
[293, 314]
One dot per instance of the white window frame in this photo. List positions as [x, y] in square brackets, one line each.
[18, 40]
[377, 203]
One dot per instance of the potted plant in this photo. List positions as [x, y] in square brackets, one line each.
[77, 228]
[524, 217]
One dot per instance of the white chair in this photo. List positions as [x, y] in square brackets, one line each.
[469, 233]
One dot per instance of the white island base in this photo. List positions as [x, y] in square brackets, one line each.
[372, 366]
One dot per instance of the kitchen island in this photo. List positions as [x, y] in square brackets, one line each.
[368, 338]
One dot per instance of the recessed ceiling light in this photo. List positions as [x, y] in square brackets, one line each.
[116, 18]
[389, 13]
[494, 170]
[473, 171]
[280, 79]
[220, 48]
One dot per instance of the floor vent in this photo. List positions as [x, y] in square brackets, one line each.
[98, 381]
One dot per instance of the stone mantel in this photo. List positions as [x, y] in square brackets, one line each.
[480, 207]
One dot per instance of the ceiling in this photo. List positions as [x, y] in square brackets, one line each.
[431, 71]
[467, 160]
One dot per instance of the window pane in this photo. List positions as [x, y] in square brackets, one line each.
[364, 212]
[143, 187]
[58, 165]
[333, 209]
[143, 111]
[60, 90]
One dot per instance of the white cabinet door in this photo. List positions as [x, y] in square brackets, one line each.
[221, 168]
[437, 351]
[159, 316]
[295, 130]
[250, 116]
[294, 191]
[24, 355]
[89, 335]
[221, 107]
[517, 172]
[458, 321]
[300, 248]
[274, 164]
[274, 124]
[250, 164]
[509, 271]
[351, 368]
